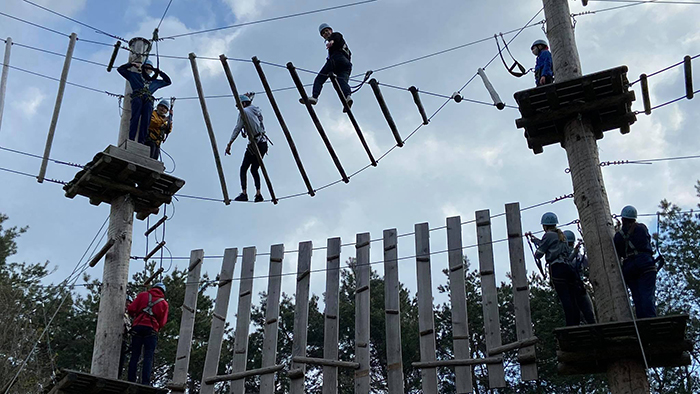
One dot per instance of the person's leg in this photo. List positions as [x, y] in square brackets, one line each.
[146, 112]
[647, 290]
[136, 345]
[136, 107]
[321, 78]
[343, 69]
[122, 355]
[149, 349]
[155, 148]
[561, 286]
[584, 303]
[248, 159]
[262, 147]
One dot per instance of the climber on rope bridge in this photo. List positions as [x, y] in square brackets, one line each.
[161, 126]
[544, 68]
[144, 82]
[150, 313]
[255, 120]
[337, 62]
[577, 261]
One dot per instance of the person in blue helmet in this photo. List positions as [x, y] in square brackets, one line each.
[337, 62]
[255, 120]
[554, 248]
[144, 82]
[633, 246]
[544, 68]
[578, 261]
[150, 313]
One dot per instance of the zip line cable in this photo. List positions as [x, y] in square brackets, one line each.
[76, 21]
[54, 53]
[164, 12]
[650, 2]
[665, 69]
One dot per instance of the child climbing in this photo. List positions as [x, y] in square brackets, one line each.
[544, 69]
[578, 262]
[554, 248]
[161, 126]
[337, 62]
[255, 120]
[144, 82]
[150, 313]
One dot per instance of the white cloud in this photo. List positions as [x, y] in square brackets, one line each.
[68, 7]
[29, 103]
[246, 9]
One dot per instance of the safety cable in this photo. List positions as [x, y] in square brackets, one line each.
[76, 21]
[164, 13]
[665, 69]
[640, 161]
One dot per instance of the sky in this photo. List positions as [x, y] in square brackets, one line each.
[470, 157]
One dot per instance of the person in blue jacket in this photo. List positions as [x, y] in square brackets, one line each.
[144, 82]
[578, 261]
[544, 69]
[633, 246]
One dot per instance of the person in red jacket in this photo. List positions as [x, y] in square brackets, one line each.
[150, 313]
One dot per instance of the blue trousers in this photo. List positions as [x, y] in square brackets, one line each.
[146, 339]
[155, 148]
[640, 276]
[572, 294]
[141, 111]
[338, 65]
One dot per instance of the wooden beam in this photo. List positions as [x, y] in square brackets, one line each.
[150, 278]
[218, 322]
[492, 91]
[242, 375]
[419, 104]
[210, 128]
[643, 79]
[385, 110]
[115, 52]
[426, 320]
[362, 313]
[245, 296]
[327, 363]
[301, 316]
[107, 246]
[156, 225]
[351, 116]
[283, 125]
[512, 346]
[457, 363]
[272, 313]
[489, 295]
[392, 302]
[155, 250]
[5, 72]
[331, 324]
[688, 69]
[458, 298]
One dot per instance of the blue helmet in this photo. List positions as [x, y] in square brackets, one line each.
[148, 62]
[570, 236]
[244, 98]
[629, 212]
[165, 103]
[160, 285]
[323, 27]
[549, 219]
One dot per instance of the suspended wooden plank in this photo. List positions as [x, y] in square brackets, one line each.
[489, 296]
[317, 123]
[419, 104]
[392, 309]
[3, 78]
[301, 317]
[351, 116]
[210, 129]
[385, 110]
[115, 52]
[247, 126]
[492, 91]
[189, 308]
[426, 320]
[458, 298]
[688, 71]
[362, 312]
[57, 107]
[245, 295]
[272, 313]
[331, 318]
[521, 292]
[283, 125]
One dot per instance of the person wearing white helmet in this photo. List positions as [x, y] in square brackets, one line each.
[633, 246]
[544, 68]
[161, 126]
[150, 313]
[144, 82]
[338, 62]
[255, 120]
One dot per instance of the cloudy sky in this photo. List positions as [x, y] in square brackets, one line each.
[470, 157]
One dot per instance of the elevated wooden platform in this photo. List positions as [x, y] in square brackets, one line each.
[74, 382]
[120, 170]
[603, 98]
[588, 349]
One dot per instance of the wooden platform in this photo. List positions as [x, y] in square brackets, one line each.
[588, 349]
[603, 98]
[118, 171]
[74, 382]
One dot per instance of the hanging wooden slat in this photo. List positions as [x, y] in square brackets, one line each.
[272, 313]
[426, 320]
[245, 296]
[301, 317]
[330, 315]
[458, 297]
[419, 104]
[351, 116]
[385, 110]
[489, 295]
[392, 308]
[362, 312]
[688, 69]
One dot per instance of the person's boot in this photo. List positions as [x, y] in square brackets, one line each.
[349, 100]
[241, 197]
[259, 198]
[312, 100]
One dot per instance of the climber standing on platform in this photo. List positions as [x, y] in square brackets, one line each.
[255, 120]
[161, 126]
[544, 68]
[150, 313]
[337, 62]
[144, 82]
[578, 261]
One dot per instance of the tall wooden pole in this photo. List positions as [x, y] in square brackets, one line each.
[3, 79]
[110, 321]
[626, 375]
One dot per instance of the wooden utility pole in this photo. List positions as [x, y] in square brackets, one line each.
[110, 320]
[625, 375]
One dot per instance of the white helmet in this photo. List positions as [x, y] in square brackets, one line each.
[323, 27]
[539, 42]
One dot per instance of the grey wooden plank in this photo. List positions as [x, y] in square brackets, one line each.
[330, 326]
[362, 313]
[184, 342]
[218, 321]
[458, 298]
[489, 297]
[272, 312]
[301, 316]
[426, 320]
[392, 308]
[245, 296]
[521, 291]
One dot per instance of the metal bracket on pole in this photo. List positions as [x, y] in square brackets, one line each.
[57, 107]
[343, 99]
[492, 91]
[102, 252]
[210, 129]
[419, 104]
[5, 71]
[385, 110]
[246, 124]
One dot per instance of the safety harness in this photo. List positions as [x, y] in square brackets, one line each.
[631, 250]
[149, 307]
[510, 69]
